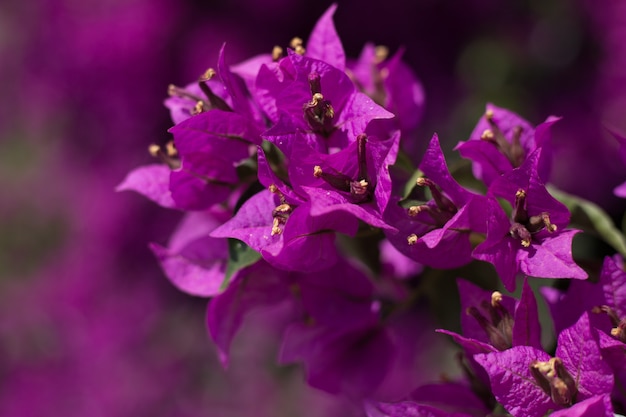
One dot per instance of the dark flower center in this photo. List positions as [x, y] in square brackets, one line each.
[498, 325]
[555, 381]
[443, 209]
[281, 213]
[524, 226]
[318, 112]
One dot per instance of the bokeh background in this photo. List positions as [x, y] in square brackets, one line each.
[89, 325]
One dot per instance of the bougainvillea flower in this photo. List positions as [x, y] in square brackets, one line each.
[502, 141]
[339, 339]
[318, 103]
[437, 233]
[280, 226]
[323, 44]
[529, 383]
[535, 241]
[194, 261]
[390, 83]
[285, 234]
[355, 179]
[492, 321]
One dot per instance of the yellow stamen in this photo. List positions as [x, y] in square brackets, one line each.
[276, 227]
[198, 108]
[487, 135]
[496, 298]
[380, 54]
[154, 149]
[277, 53]
[170, 148]
[208, 74]
[414, 210]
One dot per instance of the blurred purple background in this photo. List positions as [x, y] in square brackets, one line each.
[89, 326]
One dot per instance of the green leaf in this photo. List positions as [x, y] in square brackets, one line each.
[240, 256]
[599, 220]
[410, 184]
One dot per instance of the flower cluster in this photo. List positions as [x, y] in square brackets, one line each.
[291, 169]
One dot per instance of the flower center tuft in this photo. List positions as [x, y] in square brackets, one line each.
[318, 112]
[499, 324]
[555, 381]
[524, 226]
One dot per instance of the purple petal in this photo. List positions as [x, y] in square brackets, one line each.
[512, 383]
[473, 296]
[324, 43]
[216, 128]
[327, 203]
[307, 244]
[195, 262]
[252, 224]
[489, 164]
[498, 249]
[578, 348]
[359, 110]
[613, 280]
[551, 258]
[434, 167]
[620, 190]
[249, 69]
[598, 406]
[406, 94]
[151, 181]
[527, 330]
[353, 362]
[268, 177]
[340, 297]
[257, 286]
[234, 86]
[566, 307]
[193, 193]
